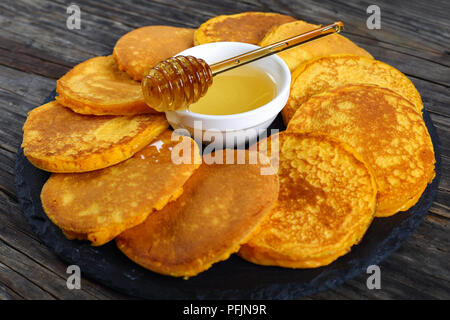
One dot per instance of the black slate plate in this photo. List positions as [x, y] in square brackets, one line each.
[231, 279]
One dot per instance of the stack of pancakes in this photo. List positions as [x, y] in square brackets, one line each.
[355, 148]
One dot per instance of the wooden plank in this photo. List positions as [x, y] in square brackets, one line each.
[29, 63]
[409, 24]
[8, 294]
[7, 173]
[139, 13]
[36, 48]
[435, 97]
[441, 205]
[21, 285]
[39, 253]
[96, 12]
[415, 271]
[53, 284]
[52, 18]
[445, 174]
[53, 46]
[32, 88]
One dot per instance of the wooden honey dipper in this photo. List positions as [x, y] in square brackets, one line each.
[180, 81]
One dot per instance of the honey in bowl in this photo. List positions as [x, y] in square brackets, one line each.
[236, 91]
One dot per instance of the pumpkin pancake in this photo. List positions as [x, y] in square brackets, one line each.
[57, 139]
[97, 86]
[220, 206]
[249, 27]
[141, 49]
[385, 129]
[294, 57]
[325, 73]
[99, 205]
[326, 203]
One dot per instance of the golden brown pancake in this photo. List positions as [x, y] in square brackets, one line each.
[385, 129]
[326, 203]
[98, 87]
[249, 27]
[325, 73]
[99, 205]
[294, 57]
[57, 139]
[220, 206]
[142, 48]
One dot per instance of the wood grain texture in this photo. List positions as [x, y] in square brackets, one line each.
[36, 48]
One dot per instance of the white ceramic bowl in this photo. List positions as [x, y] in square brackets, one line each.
[243, 125]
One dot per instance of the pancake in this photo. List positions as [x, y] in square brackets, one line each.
[141, 49]
[99, 205]
[222, 204]
[325, 73]
[326, 203]
[294, 57]
[97, 86]
[57, 139]
[249, 27]
[385, 129]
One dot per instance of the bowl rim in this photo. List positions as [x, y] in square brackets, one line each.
[255, 111]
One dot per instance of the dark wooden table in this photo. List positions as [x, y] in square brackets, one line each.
[36, 48]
